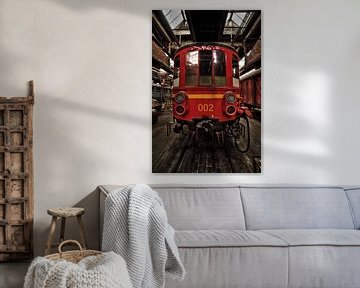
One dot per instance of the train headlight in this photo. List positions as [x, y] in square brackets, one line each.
[230, 110]
[180, 97]
[180, 110]
[230, 98]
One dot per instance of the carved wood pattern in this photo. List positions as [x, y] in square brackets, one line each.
[16, 177]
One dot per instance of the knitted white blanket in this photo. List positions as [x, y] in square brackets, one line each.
[107, 270]
[136, 227]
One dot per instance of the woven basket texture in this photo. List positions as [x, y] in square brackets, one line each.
[72, 256]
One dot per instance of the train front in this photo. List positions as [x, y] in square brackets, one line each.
[206, 90]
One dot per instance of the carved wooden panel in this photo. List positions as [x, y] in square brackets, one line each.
[16, 177]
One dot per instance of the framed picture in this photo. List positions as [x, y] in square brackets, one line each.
[206, 91]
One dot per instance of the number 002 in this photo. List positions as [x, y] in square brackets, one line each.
[206, 107]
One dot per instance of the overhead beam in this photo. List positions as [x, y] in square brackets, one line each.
[191, 25]
[255, 18]
[222, 22]
[253, 29]
[163, 25]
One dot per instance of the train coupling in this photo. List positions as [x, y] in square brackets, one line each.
[206, 125]
[178, 127]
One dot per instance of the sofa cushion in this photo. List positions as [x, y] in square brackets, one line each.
[315, 237]
[191, 208]
[328, 258]
[354, 198]
[296, 208]
[199, 207]
[324, 266]
[223, 267]
[226, 238]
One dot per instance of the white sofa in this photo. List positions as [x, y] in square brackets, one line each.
[242, 236]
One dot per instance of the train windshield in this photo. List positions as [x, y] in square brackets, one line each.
[192, 67]
[205, 68]
[219, 68]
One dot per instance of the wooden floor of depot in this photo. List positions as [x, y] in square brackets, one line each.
[173, 154]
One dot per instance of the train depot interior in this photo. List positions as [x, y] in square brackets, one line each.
[174, 29]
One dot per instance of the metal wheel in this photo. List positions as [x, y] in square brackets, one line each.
[241, 133]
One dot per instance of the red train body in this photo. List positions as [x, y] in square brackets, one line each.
[206, 87]
[250, 89]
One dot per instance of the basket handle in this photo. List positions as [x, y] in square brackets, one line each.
[69, 241]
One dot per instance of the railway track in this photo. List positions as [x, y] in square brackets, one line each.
[203, 157]
[179, 154]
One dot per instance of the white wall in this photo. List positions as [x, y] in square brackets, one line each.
[91, 63]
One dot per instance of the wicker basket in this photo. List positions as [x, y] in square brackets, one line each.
[72, 256]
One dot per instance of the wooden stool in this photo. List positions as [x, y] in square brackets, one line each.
[64, 213]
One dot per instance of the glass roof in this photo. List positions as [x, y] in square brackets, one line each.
[235, 20]
[174, 17]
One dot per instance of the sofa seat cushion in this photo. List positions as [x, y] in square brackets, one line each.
[317, 237]
[226, 238]
[323, 258]
[231, 258]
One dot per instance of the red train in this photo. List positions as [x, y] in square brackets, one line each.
[250, 89]
[206, 93]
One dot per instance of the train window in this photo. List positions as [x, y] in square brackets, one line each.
[219, 68]
[192, 67]
[205, 67]
[176, 70]
[235, 68]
